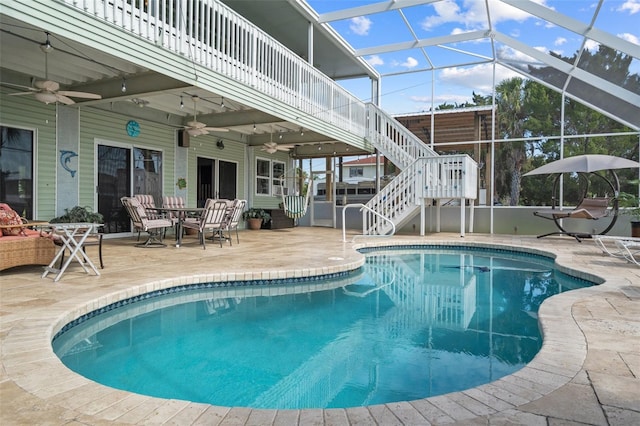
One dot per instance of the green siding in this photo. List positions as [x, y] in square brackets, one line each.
[111, 127]
[25, 112]
[205, 146]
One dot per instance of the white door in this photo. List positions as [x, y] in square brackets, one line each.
[323, 204]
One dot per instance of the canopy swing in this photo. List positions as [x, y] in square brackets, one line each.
[590, 208]
[295, 192]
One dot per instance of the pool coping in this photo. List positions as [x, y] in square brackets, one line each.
[560, 359]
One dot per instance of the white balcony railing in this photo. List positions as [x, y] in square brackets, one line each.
[216, 37]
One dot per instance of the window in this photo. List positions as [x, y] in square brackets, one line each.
[268, 173]
[356, 172]
[16, 169]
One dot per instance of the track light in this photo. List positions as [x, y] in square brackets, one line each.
[124, 85]
[222, 103]
[140, 102]
[254, 127]
[46, 46]
[181, 103]
[280, 136]
[301, 132]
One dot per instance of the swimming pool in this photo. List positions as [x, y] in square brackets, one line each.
[440, 308]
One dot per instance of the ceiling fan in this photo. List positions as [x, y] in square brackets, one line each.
[272, 147]
[48, 91]
[195, 128]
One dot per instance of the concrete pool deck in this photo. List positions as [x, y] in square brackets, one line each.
[588, 371]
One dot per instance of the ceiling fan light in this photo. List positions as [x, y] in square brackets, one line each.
[46, 47]
[47, 98]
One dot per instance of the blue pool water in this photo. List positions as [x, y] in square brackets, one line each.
[410, 324]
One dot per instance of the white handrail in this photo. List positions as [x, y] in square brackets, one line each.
[364, 207]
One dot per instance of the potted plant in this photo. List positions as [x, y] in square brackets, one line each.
[79, 214]
[631, 202]
[255, 217]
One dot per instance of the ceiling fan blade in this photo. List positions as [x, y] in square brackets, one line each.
[49, 85]
[64, 100]
[79, 94]
[21, 93]
[216, 129]
[196, 125]
[19, 86]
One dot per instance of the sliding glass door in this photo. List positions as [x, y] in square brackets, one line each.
[216, 179]
[125, 171]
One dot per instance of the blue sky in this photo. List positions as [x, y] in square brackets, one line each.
[413, 92]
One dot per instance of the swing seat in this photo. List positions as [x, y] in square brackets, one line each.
[295, 206]
[589, 209]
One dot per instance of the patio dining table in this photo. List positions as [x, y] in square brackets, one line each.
[181, 213]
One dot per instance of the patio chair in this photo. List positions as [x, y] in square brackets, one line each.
[141, 221]
[169, 201]
[149, 203]
[233, 218]
[212, 217]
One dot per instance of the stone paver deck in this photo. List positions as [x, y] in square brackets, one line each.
[588, 371]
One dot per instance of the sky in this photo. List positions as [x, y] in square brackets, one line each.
[406, 85]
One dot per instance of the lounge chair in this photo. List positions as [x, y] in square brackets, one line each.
[213, 217]
[627, 248]
[630, 249]
[590, 209]
[142, 222]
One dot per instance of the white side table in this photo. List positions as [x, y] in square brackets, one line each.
[72, 236]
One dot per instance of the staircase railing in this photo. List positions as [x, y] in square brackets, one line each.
[365, 210]
[393, 140]
[439, 177]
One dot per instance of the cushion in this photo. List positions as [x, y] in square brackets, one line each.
[9, 217]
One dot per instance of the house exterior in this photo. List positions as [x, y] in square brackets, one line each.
[154, 76]
[104, 99]
[362, 169]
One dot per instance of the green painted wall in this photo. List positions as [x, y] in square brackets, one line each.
[110, 127]
[27, 113]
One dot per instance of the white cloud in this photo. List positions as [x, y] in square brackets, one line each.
[630, 38]
[478, 78]
[473, 15]
[410, 63]
[424, 102]
[510, 54]
[375, 60]
[360, 25]
[559, 41]
[632, 6]
[591, 45]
